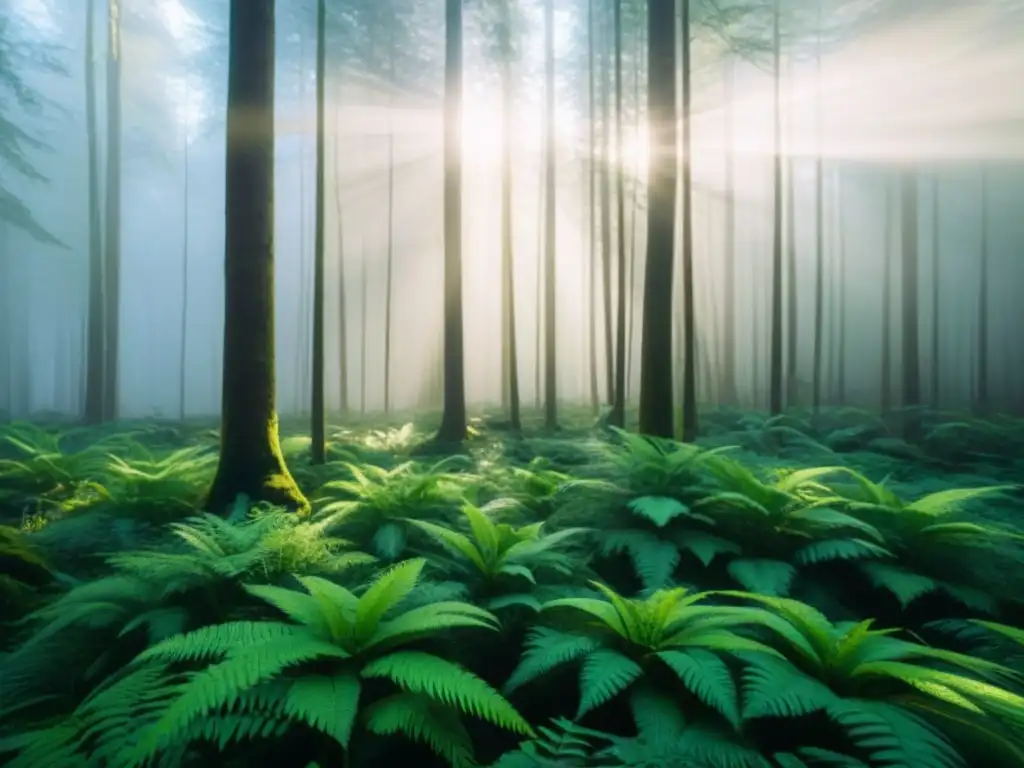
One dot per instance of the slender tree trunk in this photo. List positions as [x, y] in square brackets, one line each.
[112, 224]
[183, 359]
[775, 366]
[911, 362]
[343, 368]
[792, 318]
[389, 278]
[618, 413]
[95, 355]
[453, 421]
[841, 302]
[633, 216]
[507, 257]
[689, 399]
[982, 398]
[592, 169]
[250, 453]
[538, 341]
[729, 394]
[318, 446]
[606, 209]
[550, 331]
[887, 301]
[819, 236]
[656, 415]
[364, 308]
[936, 250]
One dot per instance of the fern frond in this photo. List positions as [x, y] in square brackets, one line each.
[546, 649]
[422, 719]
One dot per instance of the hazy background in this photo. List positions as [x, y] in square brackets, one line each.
[943, 87]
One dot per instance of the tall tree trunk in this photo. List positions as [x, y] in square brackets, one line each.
[183, 357]
[95, 355]
[910, 353]
[112, 224]
[364, 308]
[982, 398]
[887, 301]
[453, 421]
[775, 365]
[343, 368]
[656, 415]
[618, 414]
[389, 277]
[841, 300]
[689, 399]
[936, 250]
[592, 172]
[538, 341]
[606, 209]
[729, 394]
[318, 446]
[250, 452]
[819, 234]
[550, 331]
[792, 327]
[507, 258]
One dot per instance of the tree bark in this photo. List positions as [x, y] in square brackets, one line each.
[656, 417]
[775, 365]
[95, 356]
[689, 399]
[550, 287]
[112, 223]
[318, 446]
[251, 463]
[617, 417]
[453, 421]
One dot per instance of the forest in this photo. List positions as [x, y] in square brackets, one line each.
[511, 383]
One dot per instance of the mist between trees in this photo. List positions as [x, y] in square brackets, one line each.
[896, 125]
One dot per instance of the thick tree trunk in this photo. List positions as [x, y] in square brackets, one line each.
[656, 415]
[250, 453]
[453, 421]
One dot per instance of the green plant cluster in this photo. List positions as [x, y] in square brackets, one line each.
[598, 600]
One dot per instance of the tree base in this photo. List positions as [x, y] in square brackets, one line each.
[261, 478]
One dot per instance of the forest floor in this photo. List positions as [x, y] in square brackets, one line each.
[104, 553]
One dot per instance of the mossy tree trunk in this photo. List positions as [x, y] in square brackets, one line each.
[250, 453]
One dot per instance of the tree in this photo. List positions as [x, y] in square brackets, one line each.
[656, 346]
[95, 337]
[689, 399]
[618, 414]
[550, 331]
[982, 383]
[910, 352]
[251, 462]
[453, 420]
[112, 218]
[775, 358]
[318, 446]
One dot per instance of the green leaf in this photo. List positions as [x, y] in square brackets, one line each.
[707, 676]
[605, 674]
[660, 510]
[767, 577]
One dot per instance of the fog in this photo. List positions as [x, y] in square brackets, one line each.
[940, 89]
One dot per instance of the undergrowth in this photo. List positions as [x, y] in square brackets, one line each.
[802, 591]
